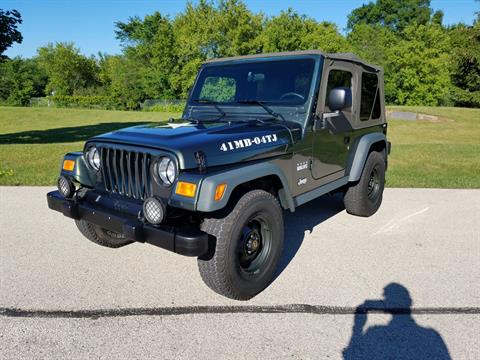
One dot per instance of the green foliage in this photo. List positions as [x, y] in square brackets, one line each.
[20, 80]
[291, 31]
[5, 172]
[123, 76]
[149, 44]
[9, 21]
[465, 59]
[371, 42]
[416, 61]
[75, 101]
[394, 14]
[205, 31]
[165, 106]
[424, 62]
[67, 69]
[218, 89]
[417, 70]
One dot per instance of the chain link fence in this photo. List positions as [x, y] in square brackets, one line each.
[105, 103]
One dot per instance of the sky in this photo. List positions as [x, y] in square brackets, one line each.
[90, 24]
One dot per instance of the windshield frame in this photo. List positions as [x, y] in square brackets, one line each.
[239, 110]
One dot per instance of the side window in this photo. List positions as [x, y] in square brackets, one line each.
[218, 89]
[338, 78]
[370, 102]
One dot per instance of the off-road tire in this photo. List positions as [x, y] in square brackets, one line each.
[101, 236]
[357, 200]
[221, 269]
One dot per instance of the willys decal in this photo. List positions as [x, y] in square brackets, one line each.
[247, 142]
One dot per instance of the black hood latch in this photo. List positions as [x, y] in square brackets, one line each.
[201, 161]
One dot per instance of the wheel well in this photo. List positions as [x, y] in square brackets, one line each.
[270, 183]
[379, 146]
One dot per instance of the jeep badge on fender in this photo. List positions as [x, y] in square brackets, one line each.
[260, 134]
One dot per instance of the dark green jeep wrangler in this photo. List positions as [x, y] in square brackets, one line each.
[259, 134]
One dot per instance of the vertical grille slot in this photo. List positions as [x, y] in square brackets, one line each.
[126, 172]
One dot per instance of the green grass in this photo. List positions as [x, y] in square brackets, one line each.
[33, 140]
[444, 154]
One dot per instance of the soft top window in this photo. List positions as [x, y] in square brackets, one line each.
[338, 78]
[370, 101]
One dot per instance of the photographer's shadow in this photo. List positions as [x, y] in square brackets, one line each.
[305, 218]
[401, 338]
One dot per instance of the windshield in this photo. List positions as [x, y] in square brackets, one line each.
[274, 83]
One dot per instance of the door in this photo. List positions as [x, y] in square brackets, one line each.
[331, 143]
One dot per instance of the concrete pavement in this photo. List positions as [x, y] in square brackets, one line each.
[62, 296]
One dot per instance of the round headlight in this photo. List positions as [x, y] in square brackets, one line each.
[166, 170]
[93, 158]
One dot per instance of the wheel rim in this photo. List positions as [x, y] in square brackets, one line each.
[373, 188]
[255, 244]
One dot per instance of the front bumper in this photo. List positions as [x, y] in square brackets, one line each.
[188, 242]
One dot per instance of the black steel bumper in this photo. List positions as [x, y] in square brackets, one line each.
[188, 242]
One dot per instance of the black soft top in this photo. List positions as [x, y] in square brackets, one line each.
[336, 56]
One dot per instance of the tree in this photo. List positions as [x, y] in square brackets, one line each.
[123, 79]
[417, 67]
[239, 29]
[68, 71]
[284, 32]
[371, 42]
[20, 80]
[150, 43]
[291, 31]
[9, 34]
[394, 14]
[205, 31]
[465, 64]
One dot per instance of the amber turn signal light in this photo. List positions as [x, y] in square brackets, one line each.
[219, 191]
[68, 165]
[186, 189]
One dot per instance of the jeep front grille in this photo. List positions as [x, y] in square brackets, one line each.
[126, 172]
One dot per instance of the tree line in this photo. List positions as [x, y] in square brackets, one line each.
[425, 62]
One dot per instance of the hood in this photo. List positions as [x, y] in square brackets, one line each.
[222, 143]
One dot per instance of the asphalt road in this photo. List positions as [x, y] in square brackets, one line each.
[64, 297]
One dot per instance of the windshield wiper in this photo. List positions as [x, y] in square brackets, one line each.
[215, 105]
[264, 106]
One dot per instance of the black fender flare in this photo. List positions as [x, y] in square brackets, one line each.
[360, 154]
[236, 177]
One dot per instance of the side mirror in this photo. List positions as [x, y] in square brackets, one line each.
[340, 98]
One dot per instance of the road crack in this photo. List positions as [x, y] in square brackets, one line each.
[253, 309]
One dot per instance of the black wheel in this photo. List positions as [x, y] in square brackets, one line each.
[248, 246]
[101, 236]
[365, 197]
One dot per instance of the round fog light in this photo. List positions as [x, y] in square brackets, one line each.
[66, 187]
[153, 210]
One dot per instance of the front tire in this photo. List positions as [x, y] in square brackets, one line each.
[101, 236]
[248, 247]
[365, 197]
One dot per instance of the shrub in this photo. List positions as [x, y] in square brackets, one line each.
[75, 101]
[163, 105]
